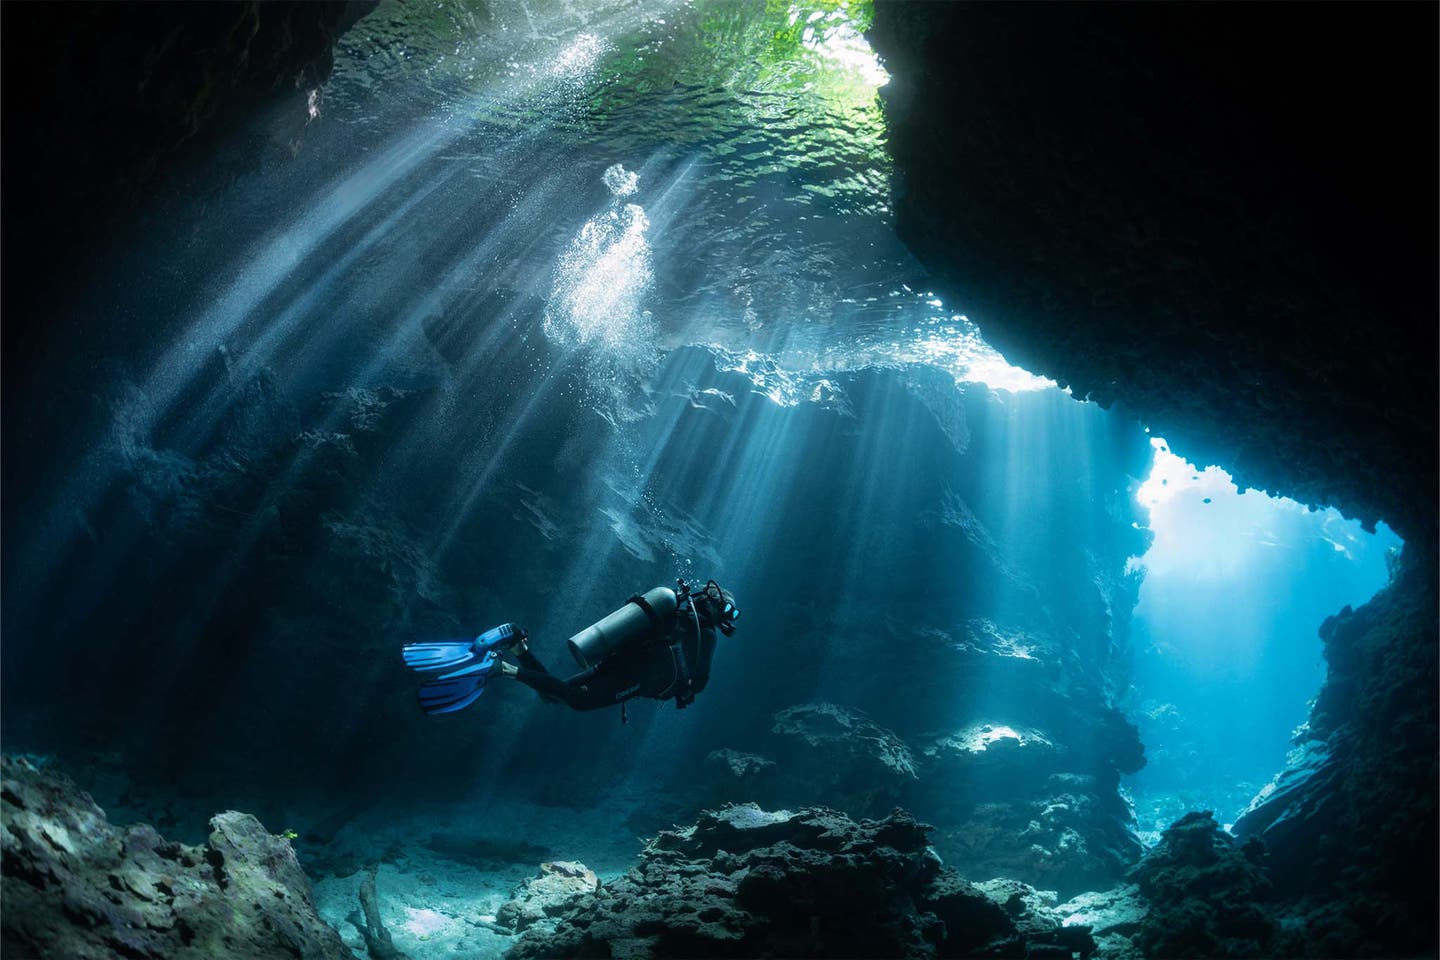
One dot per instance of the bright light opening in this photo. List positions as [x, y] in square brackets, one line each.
[1226, 632]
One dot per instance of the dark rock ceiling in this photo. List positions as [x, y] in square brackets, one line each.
[1222, 217]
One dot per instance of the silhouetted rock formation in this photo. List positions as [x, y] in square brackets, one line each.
[102, 99]
[841, 755]
[1207, 894]
[1015, 802]
[1181, 209]
[78, 888]
[1197, 893]
[745, 882]
[1353, 817]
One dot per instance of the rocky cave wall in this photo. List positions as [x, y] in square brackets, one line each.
[956, 640]
[109, 107]
[964, 602]
[1102, 250]
[1191, 212]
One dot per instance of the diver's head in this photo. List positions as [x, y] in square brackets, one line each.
[716, 607]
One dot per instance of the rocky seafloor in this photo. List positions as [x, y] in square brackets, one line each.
[741, 881]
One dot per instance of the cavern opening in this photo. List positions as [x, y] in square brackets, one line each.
[1228, 656]
[335, 328]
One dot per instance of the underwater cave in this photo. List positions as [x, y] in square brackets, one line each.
[331, 328]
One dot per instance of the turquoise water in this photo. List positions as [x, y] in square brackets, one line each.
[558, 302]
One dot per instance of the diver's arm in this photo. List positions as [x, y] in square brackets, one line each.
[702, 660]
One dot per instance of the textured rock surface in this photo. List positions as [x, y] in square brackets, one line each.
[1114, 917]
[746, 882]
[1207, 894]
[1353, 817]
[1180, 209]
[1013, 800]
[558, 885]
[107, 97]
[841, 755]
[1197, 893]
[76, 887]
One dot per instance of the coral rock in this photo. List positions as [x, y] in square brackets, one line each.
[558, 885]
[743, 881]
[76, 886]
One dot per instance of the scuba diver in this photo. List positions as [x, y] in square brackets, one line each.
[659, 645]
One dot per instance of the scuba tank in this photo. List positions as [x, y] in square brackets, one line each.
[641, 620]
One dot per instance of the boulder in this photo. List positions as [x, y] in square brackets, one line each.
[1206, 893]
[743, 881]
[839, 754]
[558, 885]
[78, 887]
[1113, 917]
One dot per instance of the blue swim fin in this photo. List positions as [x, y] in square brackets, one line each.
[438, 656]
[456, 691]
[428, 657]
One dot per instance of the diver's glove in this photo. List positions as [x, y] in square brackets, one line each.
[684, 698]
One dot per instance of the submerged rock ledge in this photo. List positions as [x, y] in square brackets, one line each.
[78, 887]
[746, 882]
[742, 881]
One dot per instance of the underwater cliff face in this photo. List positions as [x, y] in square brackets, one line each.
[1233, 237]
[76, 886]
[970, 595]
[1196, 217]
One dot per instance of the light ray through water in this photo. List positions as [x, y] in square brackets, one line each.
[1228, 653]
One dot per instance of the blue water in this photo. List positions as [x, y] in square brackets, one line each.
[1228, 653]
[549, 313]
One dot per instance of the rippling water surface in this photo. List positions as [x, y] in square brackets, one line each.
[755, 215]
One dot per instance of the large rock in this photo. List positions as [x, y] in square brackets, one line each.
[1207, 893]
[1178, 208]
[1197, 893]
[1068, 834]
[1353, 818]
[558, 885]
[842, 756]
[744, 882]
[1113, 917]
[77, 887]
[1013, 799]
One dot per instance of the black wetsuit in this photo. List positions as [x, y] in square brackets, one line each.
[678, 667]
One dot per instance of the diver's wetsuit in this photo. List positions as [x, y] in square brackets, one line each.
[658, 670]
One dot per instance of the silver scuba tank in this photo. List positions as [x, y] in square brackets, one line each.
[642, 618]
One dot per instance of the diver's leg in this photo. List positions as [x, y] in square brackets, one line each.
[529, 661]
[572, 691]
[588, 690]
[550, 687]
[542, 681]
[606, 684]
